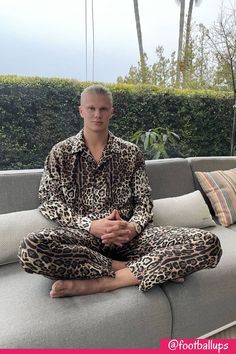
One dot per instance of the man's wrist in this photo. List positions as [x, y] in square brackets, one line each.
[93, 229]
[136, 227]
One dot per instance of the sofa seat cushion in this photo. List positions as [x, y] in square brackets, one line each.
[29, 318]
[232, 228]
[206, 300]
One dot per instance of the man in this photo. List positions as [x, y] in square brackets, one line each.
[95, 186]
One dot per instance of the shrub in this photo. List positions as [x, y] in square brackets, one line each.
[35, 113]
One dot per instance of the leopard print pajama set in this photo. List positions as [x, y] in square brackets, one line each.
[75, 190]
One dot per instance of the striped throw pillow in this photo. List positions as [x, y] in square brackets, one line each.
[220, 188]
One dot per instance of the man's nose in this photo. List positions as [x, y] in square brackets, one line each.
[97, 113]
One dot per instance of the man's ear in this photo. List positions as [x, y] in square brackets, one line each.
[80, 109]
[112, 111]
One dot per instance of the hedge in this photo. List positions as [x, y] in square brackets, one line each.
[35, 113]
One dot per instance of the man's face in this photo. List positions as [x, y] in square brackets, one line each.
[96, 110]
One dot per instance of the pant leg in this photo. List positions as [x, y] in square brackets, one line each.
[160, 254]
[64, 253]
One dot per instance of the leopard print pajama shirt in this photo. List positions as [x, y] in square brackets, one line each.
[75, 190]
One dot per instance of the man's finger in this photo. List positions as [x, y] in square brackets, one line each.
[115, 234]
[110, 238]
[117, 215]
[112, 216]
[116, 225]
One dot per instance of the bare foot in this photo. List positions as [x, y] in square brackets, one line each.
[123, 277]
[62, 288]
[178, 280]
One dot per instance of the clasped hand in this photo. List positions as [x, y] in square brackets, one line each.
[113, 229]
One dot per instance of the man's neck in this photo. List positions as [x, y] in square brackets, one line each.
[95, 139]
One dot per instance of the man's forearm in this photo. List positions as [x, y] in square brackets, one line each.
[58, 211]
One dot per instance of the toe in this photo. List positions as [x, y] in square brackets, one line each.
[178, 280]
[57, 289]
[58, 285]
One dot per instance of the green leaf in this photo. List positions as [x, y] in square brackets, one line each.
[175, 135]
[157, 155]
[164, 138]
[146, 141]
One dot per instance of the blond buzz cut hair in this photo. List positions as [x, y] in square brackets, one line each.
[98, 90]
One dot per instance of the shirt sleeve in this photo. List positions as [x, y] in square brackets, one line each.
[53, 203]
[143, 204]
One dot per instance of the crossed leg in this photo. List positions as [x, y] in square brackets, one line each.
[158, 255]
[123, 277]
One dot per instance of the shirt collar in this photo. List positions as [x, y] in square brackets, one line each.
[78, 143]
[112, 144]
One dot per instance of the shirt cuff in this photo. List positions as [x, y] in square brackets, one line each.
[85, 223]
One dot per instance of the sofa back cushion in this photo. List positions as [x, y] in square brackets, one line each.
[19, 190]
[207, 164]
[169, 177]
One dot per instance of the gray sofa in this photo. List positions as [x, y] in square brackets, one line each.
[126, 318]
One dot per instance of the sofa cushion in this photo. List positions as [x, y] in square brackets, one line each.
[220, 188]
[14, 226]
[188, 210]
[169, 177]
[211, 163]
[31, 319]
[232, 227]
[206, 300]
[207, 164]
[19, 190]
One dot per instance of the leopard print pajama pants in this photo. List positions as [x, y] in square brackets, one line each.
[157, 255]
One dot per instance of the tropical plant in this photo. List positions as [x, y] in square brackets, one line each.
[157, 143]
[140, 41]
[222, 39]
[135, 74]
[180, 43]
[187, 48]
[161, 73]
